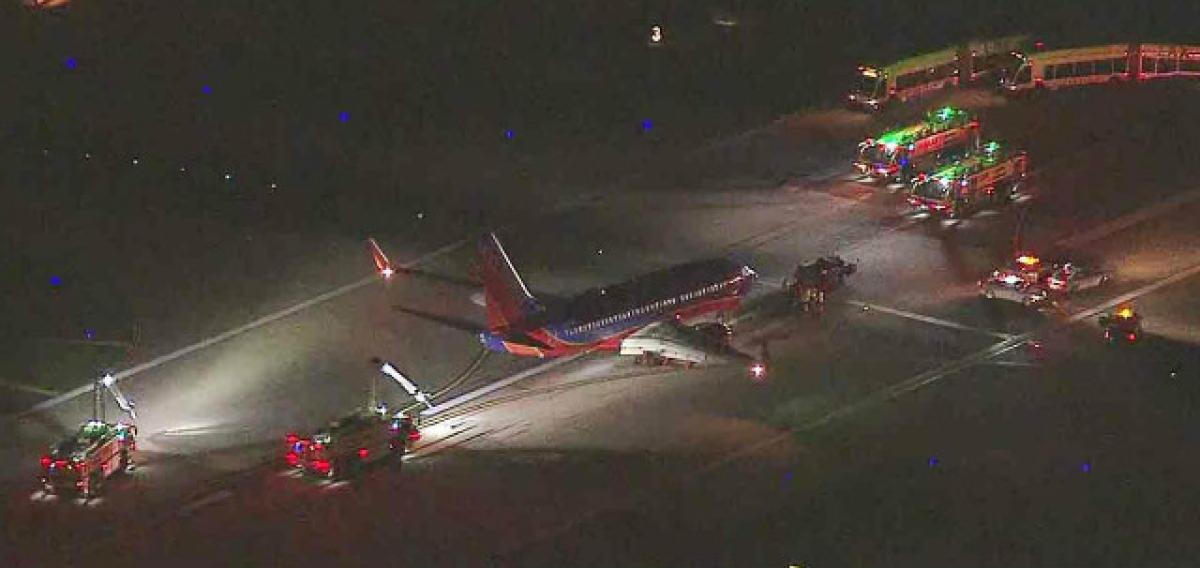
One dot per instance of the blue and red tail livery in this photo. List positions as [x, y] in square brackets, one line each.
[509, 303]
[382, 265]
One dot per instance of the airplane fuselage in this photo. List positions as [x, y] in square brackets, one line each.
[600, 318]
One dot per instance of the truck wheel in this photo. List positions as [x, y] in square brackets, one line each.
[125, 465]
[989, 294]
[94, 486]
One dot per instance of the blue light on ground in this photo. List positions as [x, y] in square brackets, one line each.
[56, 280]
[344, 116]
[1086, 467]
[509, 134]
[933, 461]
[70, 63]
[89, 333]
[647, 125]
[206, 89]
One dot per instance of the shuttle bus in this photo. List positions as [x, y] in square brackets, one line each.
[1102, 64]
[924, 74]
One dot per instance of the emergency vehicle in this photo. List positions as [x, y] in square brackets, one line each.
[1122, 325]
[901, 153]
[347, 445]
[82, 462]
[1062, 275]
[1012, 286]
[985, 178]
[920, 75]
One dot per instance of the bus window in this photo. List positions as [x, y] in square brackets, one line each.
[1083, 68]
[943, 71]
[1190, 65]
[1050, 72]
[1168, 65]
[1120, 65]
[909, 81]
[1104, 67]
[1148, 64]
[868, 85]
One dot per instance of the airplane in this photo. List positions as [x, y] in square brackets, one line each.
[609, 318]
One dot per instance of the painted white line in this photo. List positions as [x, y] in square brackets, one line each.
[1130, 219]
[157, 361]
[1025, 364]
[1186, 273]
[492, 387]
[26, 388]
[929, 319]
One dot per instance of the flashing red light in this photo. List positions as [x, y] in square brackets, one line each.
[321, 465]
[1132, 337]
[292, 458]
[363, 453]
[414, 435]
[62, 463]
[292, 439]
[45, 461]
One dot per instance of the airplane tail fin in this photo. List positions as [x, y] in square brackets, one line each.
[382, 265]
[508, 300]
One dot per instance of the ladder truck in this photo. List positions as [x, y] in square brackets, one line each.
[81, 462]
[349, 444]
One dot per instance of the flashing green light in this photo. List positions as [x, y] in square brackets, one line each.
[944, 114]
[991, 147]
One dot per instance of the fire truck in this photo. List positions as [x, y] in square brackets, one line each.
[349, 444]
[899, 154]
[98, 450]
[989, 177]
[82, 462]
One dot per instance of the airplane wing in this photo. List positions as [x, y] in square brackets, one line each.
[692, 344]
